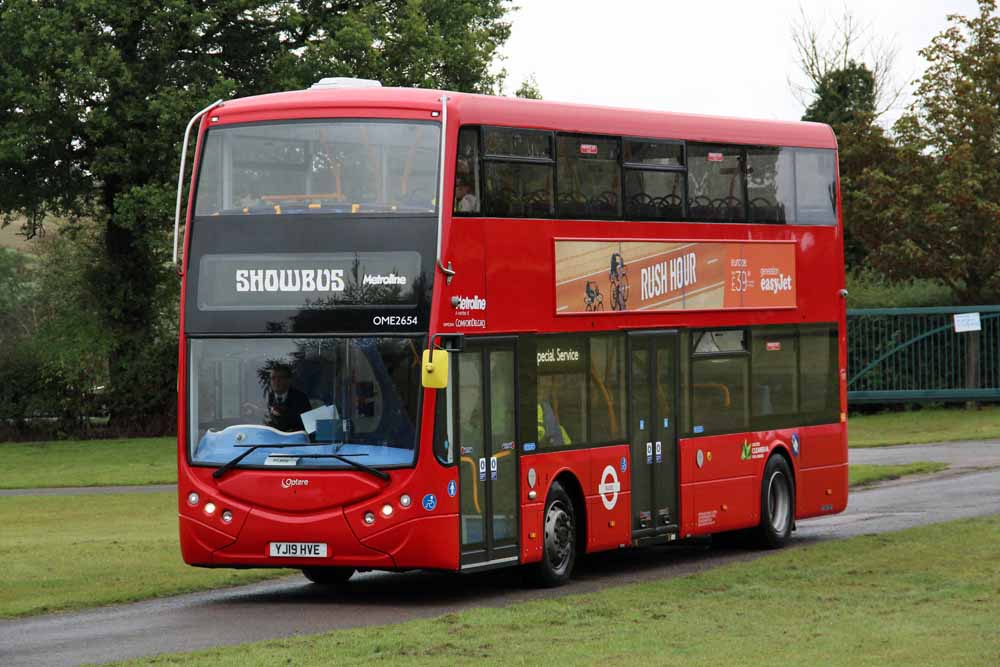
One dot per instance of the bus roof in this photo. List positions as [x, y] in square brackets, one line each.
[470, 109]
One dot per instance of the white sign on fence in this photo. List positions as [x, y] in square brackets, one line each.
[967, 322]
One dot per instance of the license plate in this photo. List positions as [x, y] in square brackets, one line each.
[298, 550]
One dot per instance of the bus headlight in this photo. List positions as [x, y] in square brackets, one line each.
[210, 508]
[405, 500]
[387, 510]
[369, 518]
[193, 499]
[227, 517]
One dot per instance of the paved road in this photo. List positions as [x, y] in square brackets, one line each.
[291, 606]
[959, 455]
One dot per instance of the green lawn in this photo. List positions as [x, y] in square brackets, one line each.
[925, 596]
[88, 463]
[921, 426]
[152, 460]
[67, 552]
[861, 474]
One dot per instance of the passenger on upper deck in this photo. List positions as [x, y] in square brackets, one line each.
[465, 201]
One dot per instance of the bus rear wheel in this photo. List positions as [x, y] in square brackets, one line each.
[777, 503]
[559, 550]
[328, 576]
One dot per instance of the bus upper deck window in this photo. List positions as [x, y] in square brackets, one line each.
[589, 177]
[771, 184]
[341, 167]
[816, 187]
[715, 183]
[467, 196]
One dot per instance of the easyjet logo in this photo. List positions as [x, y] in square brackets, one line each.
[781, 283]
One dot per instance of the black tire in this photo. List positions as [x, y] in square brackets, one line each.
[328, 576]
[777, 503]
[559, 530]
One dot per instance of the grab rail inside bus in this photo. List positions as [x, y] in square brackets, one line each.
[447, 271]
[180, 175]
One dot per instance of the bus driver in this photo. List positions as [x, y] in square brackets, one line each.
[285, 403]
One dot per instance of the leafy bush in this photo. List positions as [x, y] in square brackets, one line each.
[868, 288]
[54, 357]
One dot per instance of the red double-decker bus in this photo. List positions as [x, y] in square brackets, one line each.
[439, 330]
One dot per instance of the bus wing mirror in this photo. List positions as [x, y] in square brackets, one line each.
[434, 374]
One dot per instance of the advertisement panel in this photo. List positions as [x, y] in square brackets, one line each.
[595, 276]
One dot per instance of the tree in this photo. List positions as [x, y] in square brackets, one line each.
[845, 99]
[18, 297]
[937, 206]
[863, 146]
[529, 89]
[94, 96]
[835, 59]
[843, 96]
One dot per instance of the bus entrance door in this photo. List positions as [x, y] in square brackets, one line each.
[653, 382]
[487, 423]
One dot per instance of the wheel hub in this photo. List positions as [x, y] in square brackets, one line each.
[558, 536]
[778, 502]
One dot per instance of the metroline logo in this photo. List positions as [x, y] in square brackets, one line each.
[391, 279]
[471, 303]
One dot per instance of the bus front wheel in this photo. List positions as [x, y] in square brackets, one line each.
[559, 552]
[777, 503]
[328, 576]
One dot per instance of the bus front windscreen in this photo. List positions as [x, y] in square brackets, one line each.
[352, 397]
[331, 166]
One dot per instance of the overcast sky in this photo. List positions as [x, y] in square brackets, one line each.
[722, 57]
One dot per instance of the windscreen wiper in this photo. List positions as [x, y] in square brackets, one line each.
[343, 457]
[250, 449]
[222, 470]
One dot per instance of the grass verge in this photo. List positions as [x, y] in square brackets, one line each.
[862, 474]
[133, 461]
[922, 426]
[68, 552]
[925, 596]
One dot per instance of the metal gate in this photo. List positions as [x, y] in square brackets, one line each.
[915, 355]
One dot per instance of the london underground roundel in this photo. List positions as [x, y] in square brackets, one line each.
[609, 487]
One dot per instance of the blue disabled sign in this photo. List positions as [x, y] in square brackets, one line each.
[430, 502]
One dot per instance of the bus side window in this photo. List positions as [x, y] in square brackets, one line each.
[816, 187]
[589, 177]
[715, 183]
[467, 171]
[771, 184]
[719, 379]
[607, 388]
